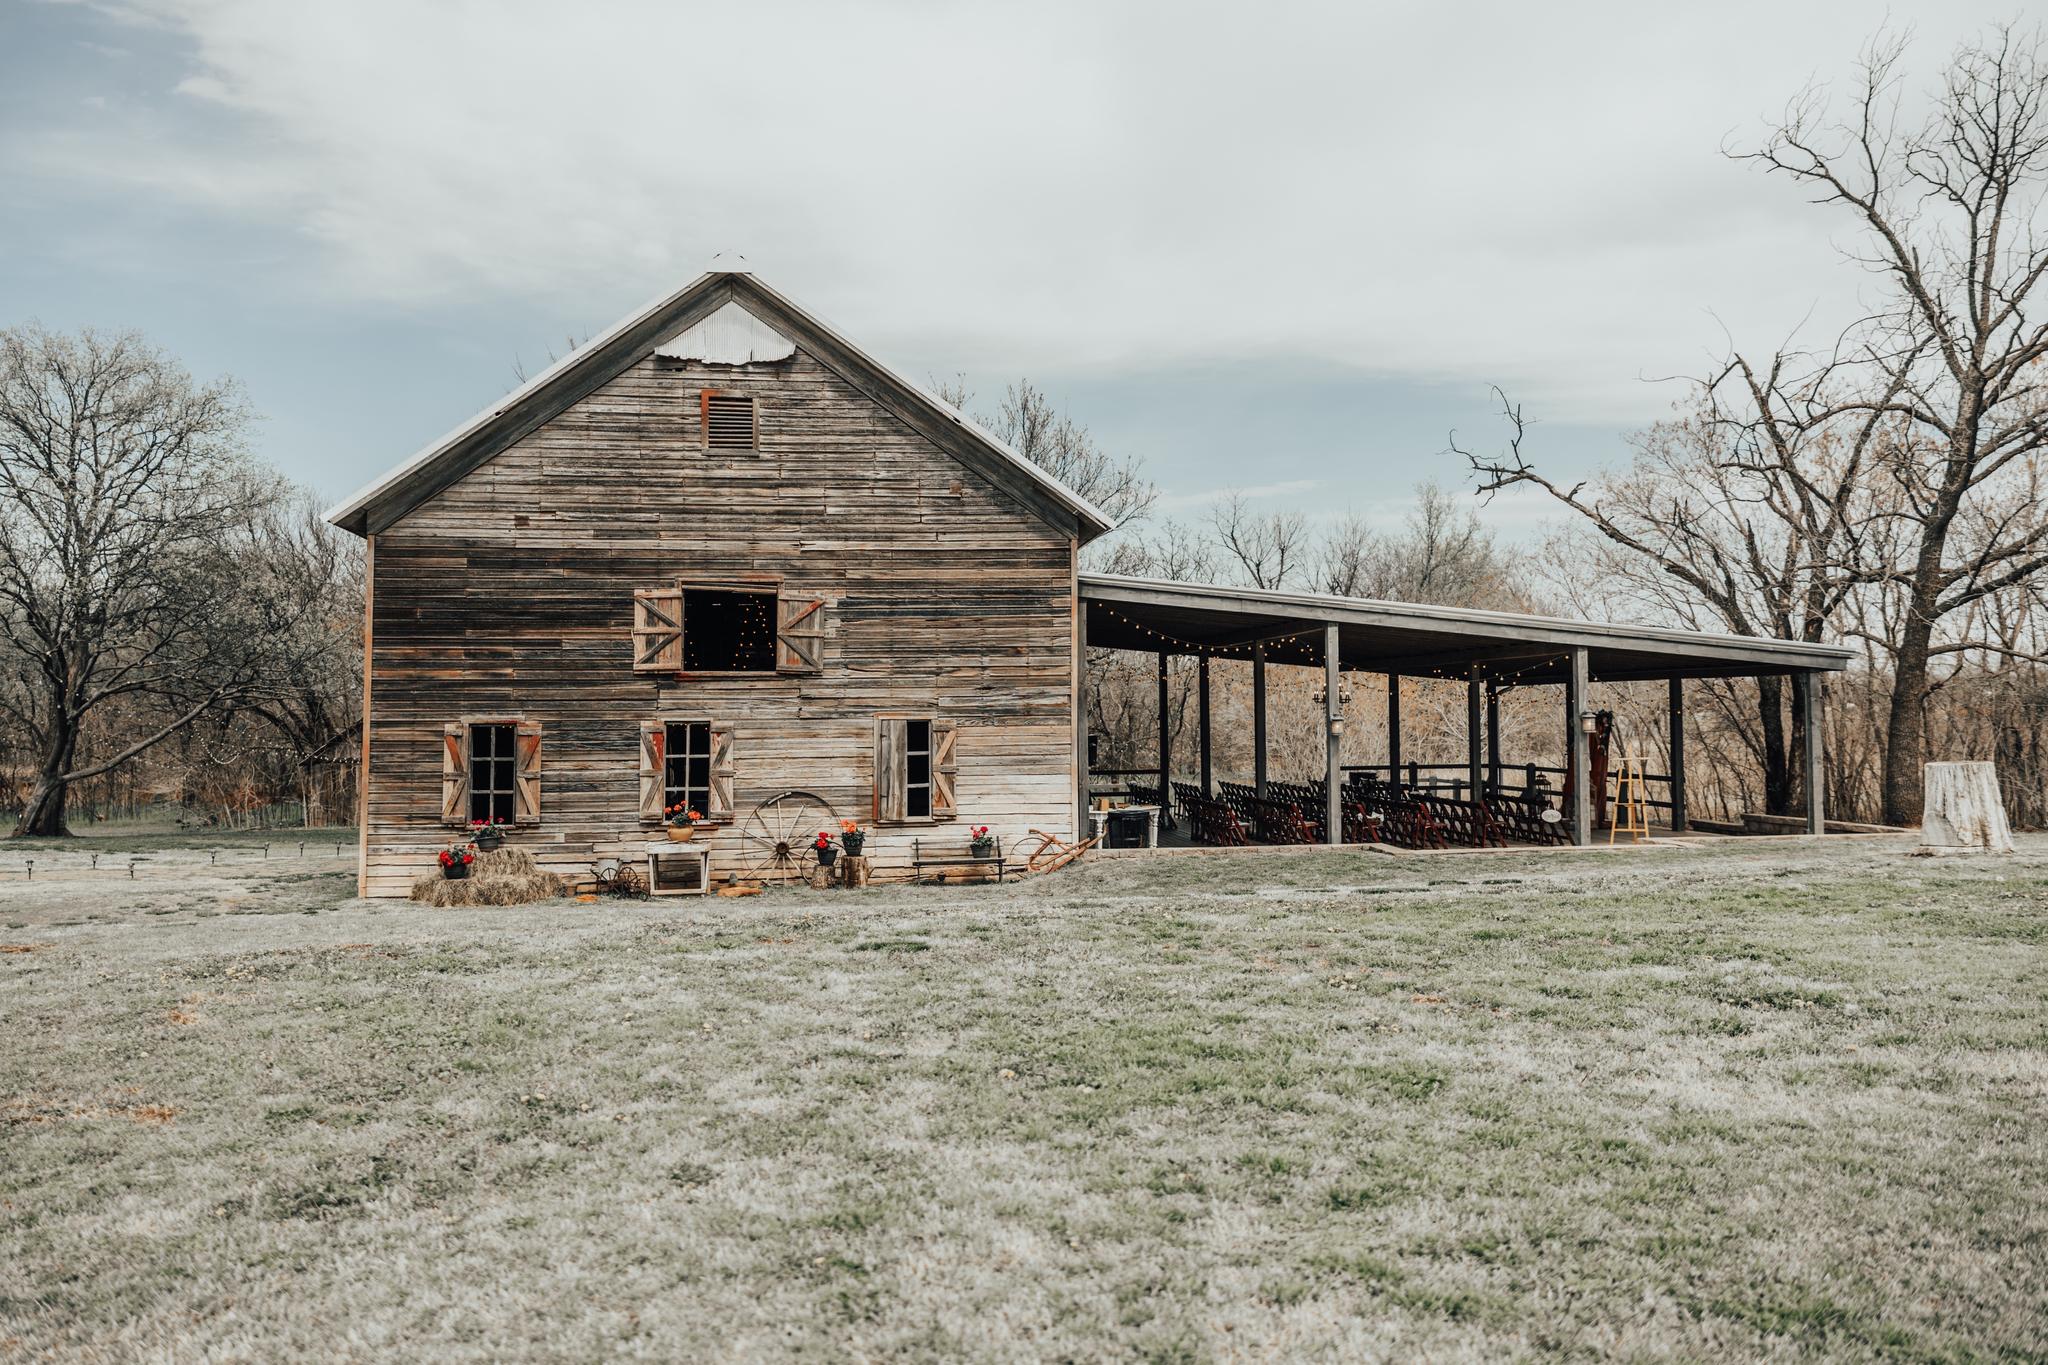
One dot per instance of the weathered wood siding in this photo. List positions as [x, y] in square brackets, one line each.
[510, 594]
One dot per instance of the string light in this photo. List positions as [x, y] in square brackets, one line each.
[1305, 653]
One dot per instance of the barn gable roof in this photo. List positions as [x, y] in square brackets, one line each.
[702, 301]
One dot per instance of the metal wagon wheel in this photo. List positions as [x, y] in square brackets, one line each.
[777, 836]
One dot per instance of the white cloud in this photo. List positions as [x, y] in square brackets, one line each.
[1516, 193]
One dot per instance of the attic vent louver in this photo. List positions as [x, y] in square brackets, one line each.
[728, 421]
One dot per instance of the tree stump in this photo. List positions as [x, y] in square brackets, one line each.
[854, 871]
[1963, 809]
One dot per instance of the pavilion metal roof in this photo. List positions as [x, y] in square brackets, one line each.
[1417, 640]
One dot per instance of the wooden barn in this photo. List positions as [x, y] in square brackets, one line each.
[722, 558]
[716, 555]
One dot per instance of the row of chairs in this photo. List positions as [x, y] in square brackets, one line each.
[1375, 811]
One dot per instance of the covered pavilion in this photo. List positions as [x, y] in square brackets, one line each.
[1346, 635]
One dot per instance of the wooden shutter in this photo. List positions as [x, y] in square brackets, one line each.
[653, 768]
[799, 634]
[721, 771]
[658, 630]
[455, 775]
[943, 802]
[892, 744]
[526, 773]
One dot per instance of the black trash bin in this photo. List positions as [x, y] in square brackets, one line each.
[1125, 829]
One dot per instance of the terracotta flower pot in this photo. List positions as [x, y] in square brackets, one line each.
[681, 834]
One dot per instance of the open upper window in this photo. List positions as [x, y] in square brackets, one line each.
[725, 628]
[728, 632]
[729, 421]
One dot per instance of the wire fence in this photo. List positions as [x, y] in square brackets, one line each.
[310, 855]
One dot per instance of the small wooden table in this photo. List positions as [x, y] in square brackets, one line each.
[1098, 822]
[668, 850]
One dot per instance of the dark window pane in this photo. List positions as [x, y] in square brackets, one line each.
[919, 768]
[918, 801]
[728, 632]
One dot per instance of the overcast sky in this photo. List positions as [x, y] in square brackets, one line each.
[1283, 248]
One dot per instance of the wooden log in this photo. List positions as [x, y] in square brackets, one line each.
[1963, 809]
[855, 872]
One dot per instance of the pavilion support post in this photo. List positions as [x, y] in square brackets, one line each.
[1165, 741]
[1677, 725]
[1202, 713]
[1580, 763]
[1492, 738]
[1080, 721]
[1333, 729]
[1806, 686]
[1259, 718]
[1474, 697]
[1394, 729]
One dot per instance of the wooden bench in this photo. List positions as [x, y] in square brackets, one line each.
[954, 855]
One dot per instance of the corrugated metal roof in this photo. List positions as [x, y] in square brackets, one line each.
[1227, 613]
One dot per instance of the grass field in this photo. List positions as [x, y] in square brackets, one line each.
[1759, 1099]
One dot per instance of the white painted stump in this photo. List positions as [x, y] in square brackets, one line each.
[1963, 809]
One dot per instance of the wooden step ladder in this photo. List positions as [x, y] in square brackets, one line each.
[1631, 801]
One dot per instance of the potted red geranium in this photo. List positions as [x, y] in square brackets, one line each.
[682, 822]
[979, 843]
[825, 850]
[455, 862]
[489, 834]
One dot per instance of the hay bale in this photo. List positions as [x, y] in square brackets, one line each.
[504, 876]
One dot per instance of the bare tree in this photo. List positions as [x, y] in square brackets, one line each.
[1269, 548]
[1029, 423]
[128, 520]
[1904, 458]
[312, 696]
[1949, 209]
[1719, 524]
